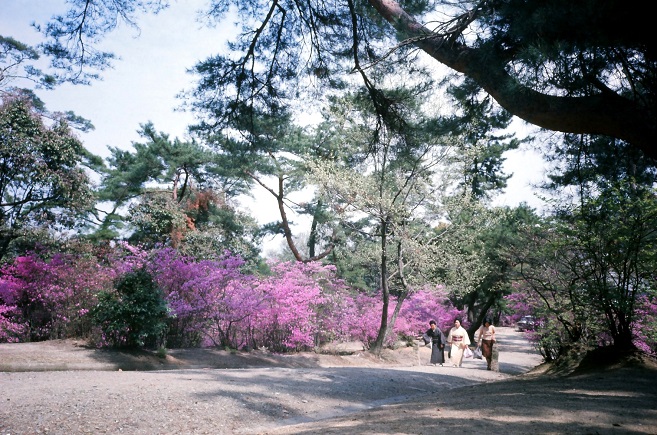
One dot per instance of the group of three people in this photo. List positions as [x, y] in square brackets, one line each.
[459, 340]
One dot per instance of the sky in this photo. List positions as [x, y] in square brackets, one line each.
[151, 71]
[144, 82]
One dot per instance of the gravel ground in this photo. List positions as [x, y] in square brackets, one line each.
[254, 393]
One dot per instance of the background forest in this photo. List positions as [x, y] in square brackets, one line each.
[380, 130]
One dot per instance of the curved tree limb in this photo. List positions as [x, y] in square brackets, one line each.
[606, 113]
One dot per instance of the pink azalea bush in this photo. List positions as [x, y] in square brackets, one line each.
[291, 297]
[208, 300]
[353, 317]
[424, 305]
[49, 298]
[12, 325]
[296, 306]
[518, 305]
[645, 328]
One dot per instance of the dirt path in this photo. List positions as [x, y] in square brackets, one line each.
[274, 394]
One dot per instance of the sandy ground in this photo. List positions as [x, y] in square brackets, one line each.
[62, 387]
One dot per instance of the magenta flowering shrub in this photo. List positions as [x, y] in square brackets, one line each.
[347, 316]
[188, 309]
[125, 258]
[46, 299]
[357, 316]
[645, 326]
[297, 306]
[209, 301]
[12, 324]
[425, 305]
[519, 305]
[292, 298]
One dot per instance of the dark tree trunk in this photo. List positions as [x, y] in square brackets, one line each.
[377, 346]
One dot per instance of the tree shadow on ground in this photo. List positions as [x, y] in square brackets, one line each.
[599, 402]
[199, 358]
[335, 391]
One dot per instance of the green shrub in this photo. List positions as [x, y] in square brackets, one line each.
[134, 315]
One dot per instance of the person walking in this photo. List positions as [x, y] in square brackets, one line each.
[486, 340]
[459, 340]
[437, 339]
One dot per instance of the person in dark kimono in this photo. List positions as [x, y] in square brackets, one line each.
[437, 339]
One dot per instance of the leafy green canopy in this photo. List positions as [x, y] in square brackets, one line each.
[607, 232]
[580, 67]
[387, 187]
[42, 181]
[175, 193]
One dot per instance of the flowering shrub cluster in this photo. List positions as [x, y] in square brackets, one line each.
[550, 336]
[48, 299]
[205, 298]
[645, 331]
[296, 306]
[428, 304]
[519, 305]
[213, 303]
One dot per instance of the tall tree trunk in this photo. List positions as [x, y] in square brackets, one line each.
[403, 293]
[377, 346]
[312, 239]
[398, 306]
[4, 245]
[284, 222]
[622, 333]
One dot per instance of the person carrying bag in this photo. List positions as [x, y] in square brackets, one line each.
[486, 341]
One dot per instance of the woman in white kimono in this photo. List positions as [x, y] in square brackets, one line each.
[459, 340]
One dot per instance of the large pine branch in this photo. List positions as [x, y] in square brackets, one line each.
[606, 113]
